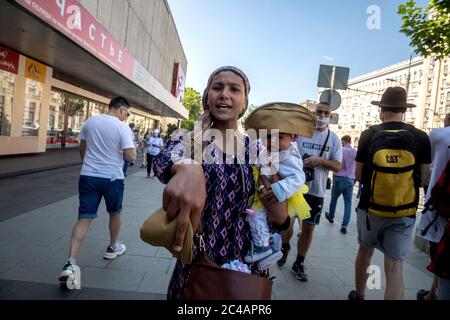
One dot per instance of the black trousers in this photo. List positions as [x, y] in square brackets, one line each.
[149, 164]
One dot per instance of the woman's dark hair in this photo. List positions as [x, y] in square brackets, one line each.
[118, 102]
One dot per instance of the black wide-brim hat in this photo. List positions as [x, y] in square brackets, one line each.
[394, 97]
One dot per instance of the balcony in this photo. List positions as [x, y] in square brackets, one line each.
[7, 91]
[33, 96]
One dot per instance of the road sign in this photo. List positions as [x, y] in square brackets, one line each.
[332, 97]
[334, 119]
[333, 77]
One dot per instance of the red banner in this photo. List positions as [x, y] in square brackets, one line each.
[69, 17]
[9, 60]
[178, 82]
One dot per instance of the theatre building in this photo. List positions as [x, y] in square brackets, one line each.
[61, 61]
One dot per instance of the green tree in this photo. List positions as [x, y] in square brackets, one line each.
[250, 108]
[171, 128]
[428, 28]
[193, 102]
[188, 124]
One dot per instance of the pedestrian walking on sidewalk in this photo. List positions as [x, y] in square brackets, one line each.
[217, 191]
[145, 144]
[321, 153]
[155, 146]
[432, 225]
[105, 141]
[343, 182]
[392, 162]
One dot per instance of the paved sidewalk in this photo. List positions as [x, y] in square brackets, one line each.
[35, 246]
[11, 166]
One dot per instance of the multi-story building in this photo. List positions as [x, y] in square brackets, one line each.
[428, 88]
[62, 61]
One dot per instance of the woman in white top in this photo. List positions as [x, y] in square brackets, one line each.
[155, 145]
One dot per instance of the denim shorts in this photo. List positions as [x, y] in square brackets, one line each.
[92, 189]
[392, 236]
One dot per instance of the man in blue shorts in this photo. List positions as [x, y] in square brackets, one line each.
[105, 141]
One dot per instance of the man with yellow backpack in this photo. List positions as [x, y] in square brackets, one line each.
[391, 163]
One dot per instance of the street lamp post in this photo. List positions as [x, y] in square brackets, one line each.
[408, 77]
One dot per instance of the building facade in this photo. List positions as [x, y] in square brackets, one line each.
[62, 61]
[428, 88]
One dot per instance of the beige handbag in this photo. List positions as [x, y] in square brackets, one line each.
[158, 231]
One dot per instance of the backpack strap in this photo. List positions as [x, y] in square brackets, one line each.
[325, 144]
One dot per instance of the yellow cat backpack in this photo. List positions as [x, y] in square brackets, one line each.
[391, 174]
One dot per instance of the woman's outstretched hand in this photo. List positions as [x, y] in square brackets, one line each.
[184, 199]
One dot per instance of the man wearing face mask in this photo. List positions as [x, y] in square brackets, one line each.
[321, 153]
[155, 146]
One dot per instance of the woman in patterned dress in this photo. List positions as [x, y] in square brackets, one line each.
[218, 190]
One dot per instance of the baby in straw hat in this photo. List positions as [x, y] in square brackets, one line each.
[291, 120]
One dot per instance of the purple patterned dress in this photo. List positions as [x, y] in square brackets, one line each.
[227, 234]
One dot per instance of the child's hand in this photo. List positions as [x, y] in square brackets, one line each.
[265, 190]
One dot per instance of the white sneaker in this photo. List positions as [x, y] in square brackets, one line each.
[113, 252]
[67, 272]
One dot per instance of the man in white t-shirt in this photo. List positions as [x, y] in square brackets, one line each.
[105, 141]
[321, 153]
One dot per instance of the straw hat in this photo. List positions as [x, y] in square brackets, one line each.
[158, 231]
[284, 116]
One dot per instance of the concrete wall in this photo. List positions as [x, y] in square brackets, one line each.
[147, 29]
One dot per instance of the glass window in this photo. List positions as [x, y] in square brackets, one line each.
[76, 117]
[56, 119]
[7, 81]
[139, 122]
[96, 108]
[30, 121]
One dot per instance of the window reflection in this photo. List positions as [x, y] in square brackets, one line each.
[33, 96]
[67, 114]
[7, 81]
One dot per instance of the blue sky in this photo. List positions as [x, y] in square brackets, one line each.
[281, 43]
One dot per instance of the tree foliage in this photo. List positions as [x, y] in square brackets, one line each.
[428, 28]
[193, 102]
[250, 108]
[188, 124]
[171, 128]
